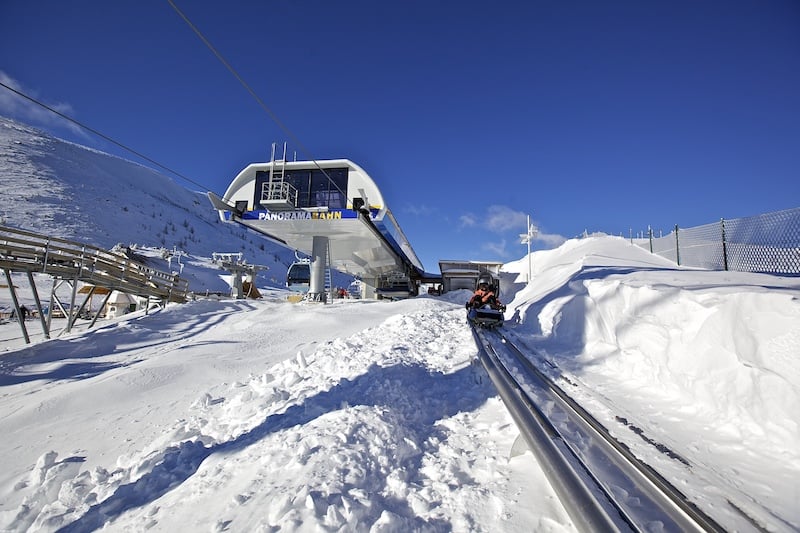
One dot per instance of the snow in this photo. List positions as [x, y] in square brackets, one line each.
[262, 415]
[365, 415]
[258, 416]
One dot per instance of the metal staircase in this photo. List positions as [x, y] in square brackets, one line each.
[328, 275]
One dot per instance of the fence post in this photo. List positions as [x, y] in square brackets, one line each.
[724, 245]
[677, 247]
[650, 233]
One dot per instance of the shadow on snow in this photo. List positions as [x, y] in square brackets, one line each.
[429, 398]
[105, 342]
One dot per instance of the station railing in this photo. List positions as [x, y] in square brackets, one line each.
[26, 251]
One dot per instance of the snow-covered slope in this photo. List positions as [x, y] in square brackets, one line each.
[62, 189]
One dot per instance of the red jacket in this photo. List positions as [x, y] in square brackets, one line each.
[483, 297]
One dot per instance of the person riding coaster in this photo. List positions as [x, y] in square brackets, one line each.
[484, 308]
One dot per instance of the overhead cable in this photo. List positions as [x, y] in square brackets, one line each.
[106, 137]
[260, 102]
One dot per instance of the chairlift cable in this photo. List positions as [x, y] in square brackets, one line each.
[106, 137]
[255, 96]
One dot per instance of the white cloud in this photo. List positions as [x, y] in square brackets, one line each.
[418, 210]
[467, 220]
[15, 106]
[497, 219]
[497, 247]
[500, 219]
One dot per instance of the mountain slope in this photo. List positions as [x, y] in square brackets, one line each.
[62, 189]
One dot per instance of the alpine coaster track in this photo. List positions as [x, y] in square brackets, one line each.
[601, 484]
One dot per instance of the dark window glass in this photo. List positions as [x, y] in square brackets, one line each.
[314, 189]
[300, 180]
[319, 189]
[299, 273]
[338, 198]
[330, 190]
[262, 177]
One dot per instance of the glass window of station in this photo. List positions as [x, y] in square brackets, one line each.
[314, 188]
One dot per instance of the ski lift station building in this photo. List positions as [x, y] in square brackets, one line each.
[332, 211]
[461, 274]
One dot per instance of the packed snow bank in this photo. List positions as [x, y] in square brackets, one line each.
[707, 361]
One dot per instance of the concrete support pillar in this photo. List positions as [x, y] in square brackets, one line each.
[319, 262]
[368, 288]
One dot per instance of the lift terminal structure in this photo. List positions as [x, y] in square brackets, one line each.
[332, 211]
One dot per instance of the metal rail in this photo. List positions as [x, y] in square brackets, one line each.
[599, 481]
[25, 251]
[74, 262]
[583, 507]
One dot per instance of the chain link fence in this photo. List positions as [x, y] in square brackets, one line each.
[763, 243]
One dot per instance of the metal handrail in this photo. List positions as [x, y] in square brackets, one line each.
[26, 251]
[279, 190]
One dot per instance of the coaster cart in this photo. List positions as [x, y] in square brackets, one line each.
[487, 316]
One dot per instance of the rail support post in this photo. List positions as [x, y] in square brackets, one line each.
[17, 310]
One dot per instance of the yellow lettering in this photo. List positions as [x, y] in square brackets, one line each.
[335, 215]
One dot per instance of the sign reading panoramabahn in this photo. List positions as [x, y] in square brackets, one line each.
[300, 215]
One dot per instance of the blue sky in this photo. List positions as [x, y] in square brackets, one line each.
[587, 115]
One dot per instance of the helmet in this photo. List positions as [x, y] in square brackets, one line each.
[485, 279]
